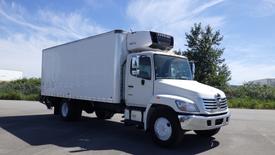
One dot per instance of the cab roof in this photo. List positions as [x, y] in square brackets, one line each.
[168, 53]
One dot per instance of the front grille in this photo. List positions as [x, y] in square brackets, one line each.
[214, 105]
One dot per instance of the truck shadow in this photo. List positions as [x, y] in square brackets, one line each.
[91, 134]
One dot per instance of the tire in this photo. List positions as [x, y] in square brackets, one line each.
[70, 111]
[207, 133]
[103, 114]
[164, 127]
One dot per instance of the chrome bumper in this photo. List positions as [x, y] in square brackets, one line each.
[197, 122]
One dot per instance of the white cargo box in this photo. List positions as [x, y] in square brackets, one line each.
[88, 69]
[91, 68]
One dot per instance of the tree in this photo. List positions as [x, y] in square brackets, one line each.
[203, 48]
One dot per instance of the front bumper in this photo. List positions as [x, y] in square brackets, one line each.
[198, 122]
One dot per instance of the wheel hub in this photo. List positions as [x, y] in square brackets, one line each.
[64, 109]
[162, 128]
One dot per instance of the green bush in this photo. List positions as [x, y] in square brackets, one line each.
[255, 91]
[31, 97]
[11, 96]
[250, 103]
[23, 89]
[251, 96]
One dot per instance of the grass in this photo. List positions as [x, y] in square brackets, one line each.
[23, 89]
[250, 103]
[251, 96]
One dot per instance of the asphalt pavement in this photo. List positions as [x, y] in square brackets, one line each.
[29, 128]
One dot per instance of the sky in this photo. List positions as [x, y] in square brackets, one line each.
[248, 27]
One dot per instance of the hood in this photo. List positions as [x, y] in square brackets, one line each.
[186, 88]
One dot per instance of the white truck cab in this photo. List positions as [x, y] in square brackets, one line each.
[140, 78]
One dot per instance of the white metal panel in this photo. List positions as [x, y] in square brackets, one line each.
[149, 41]
[136, 115]
[139, 41]
[137, 94]
[87, 69]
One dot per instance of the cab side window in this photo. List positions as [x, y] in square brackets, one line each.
[141, 67]
[145, 67]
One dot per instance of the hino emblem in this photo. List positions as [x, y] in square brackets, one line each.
[218, 100]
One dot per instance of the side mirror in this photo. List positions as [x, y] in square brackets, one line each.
[135, 72]
[135, 66]
[192, 67]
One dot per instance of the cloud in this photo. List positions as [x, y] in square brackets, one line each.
[21, 52]
[250, 61]
[99, 4]
[174, 17]
[244, 58]
[267, 8]
[205, 6]
[20, 47]
[23, 34]
[244, 72]
[262, 8]
[18, 21]
[69, 25]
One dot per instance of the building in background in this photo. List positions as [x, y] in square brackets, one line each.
[268, 82]
[9, 75]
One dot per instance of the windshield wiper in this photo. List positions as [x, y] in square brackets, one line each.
[183, 78]
[166, 78]
[176, 78]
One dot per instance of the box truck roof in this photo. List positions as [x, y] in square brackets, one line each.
[137, 41]
[94, 36]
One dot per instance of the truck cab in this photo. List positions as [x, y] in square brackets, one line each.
[160, 93]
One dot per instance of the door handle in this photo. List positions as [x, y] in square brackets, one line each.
[142, 82]
[130, 86]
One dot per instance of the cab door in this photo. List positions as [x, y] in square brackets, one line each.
[139, 80]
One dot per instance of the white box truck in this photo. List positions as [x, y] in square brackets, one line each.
[132, 73]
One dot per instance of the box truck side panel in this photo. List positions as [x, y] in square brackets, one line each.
[88, 69]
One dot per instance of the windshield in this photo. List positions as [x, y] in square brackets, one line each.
[169, 67]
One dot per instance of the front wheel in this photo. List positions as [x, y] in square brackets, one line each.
[207, 133]
[165, 128]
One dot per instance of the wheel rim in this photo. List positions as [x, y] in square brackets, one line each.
[64, 109]
[163, 128]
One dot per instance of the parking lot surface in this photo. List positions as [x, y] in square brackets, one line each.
[29, 128]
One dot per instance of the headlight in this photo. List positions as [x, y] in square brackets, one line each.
[188, 107]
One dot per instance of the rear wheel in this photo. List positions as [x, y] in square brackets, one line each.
[70, 111]
[165, 128]
[103, 114]
[207, 133]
